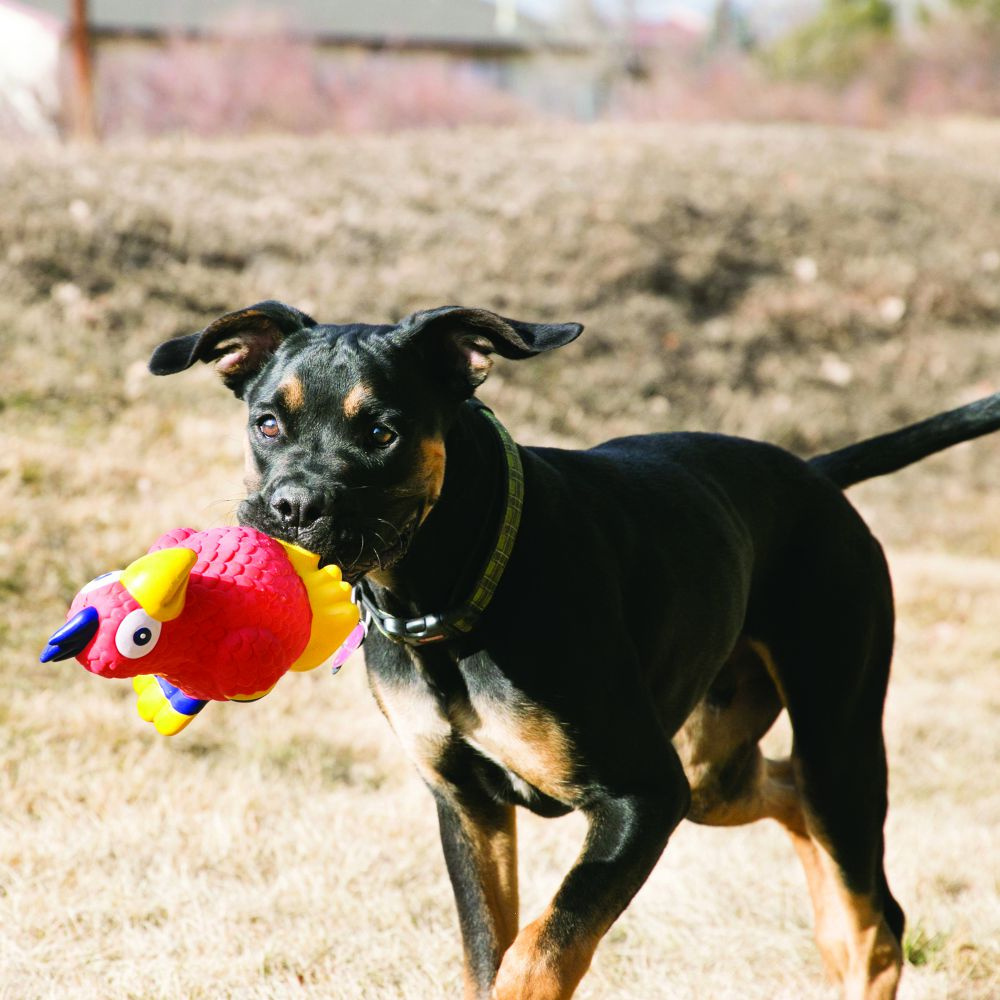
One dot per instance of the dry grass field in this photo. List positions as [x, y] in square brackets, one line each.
[800, 285]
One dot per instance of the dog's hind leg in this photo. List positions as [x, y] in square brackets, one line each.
[858, 942]
[855, 929]
[831, 668]
[830, 795]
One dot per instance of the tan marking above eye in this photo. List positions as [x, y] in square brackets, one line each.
[292, 393]
[355, 399]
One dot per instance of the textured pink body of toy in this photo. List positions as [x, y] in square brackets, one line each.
[246, 618]
[216, 615]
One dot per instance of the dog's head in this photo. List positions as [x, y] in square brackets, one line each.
[347, 424]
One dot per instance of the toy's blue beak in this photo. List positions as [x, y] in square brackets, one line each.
[73, 637]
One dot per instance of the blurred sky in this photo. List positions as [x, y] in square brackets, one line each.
[769, 15]
[778, 12]
[646, 9]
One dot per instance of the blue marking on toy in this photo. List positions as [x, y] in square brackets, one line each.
[179, 701]
[73, 637]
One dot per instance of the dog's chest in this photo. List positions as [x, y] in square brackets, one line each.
[523, 739]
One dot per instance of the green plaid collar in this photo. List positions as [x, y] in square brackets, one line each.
[462, 620]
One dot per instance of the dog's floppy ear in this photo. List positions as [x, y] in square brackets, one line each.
[463, 340]
[239, 343]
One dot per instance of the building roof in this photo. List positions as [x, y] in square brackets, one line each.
[458, 23]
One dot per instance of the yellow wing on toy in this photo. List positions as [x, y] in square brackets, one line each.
[334, 616]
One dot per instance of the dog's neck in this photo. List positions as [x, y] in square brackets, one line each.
[451, 547]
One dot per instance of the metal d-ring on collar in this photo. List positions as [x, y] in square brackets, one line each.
[460, 621]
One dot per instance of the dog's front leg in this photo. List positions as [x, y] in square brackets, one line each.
[626, 835]
[480, 849]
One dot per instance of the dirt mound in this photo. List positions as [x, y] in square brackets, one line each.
[795, 284]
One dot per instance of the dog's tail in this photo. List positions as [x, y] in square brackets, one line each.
[878, 456]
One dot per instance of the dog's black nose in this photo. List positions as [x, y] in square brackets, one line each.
[296, 506]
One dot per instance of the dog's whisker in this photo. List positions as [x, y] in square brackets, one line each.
[223, 502]
[395, 530]
[405, 492]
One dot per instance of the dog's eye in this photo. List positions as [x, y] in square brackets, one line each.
[382, 436]
[268, 426]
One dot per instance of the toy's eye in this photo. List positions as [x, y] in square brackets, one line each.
[137, 634]
[104, 580]
[382, 436]
[268, 426]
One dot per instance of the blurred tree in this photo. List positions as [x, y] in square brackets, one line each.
[991, 7]
[836, 43]
[730, 27]
[983, 8]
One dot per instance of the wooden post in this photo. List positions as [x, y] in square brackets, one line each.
[83, 125]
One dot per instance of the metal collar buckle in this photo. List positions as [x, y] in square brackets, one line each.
[412, 631]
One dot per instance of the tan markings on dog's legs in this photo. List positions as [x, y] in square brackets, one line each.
[292, 393]
[418, 723]
[523, 739]
[826, 929]
[424, 733]
[857, 946]
[767, 795]
[355, 399]
[495, 853]
[731, 782]
[877, 958]
[856, 943]
[536, 969]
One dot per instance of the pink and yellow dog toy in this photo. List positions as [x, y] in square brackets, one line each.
[216, 615]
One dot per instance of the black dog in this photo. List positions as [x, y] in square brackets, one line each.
[610, 630]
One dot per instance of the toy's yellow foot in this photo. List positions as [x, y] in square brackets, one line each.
[163, 705]
[334, 616]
